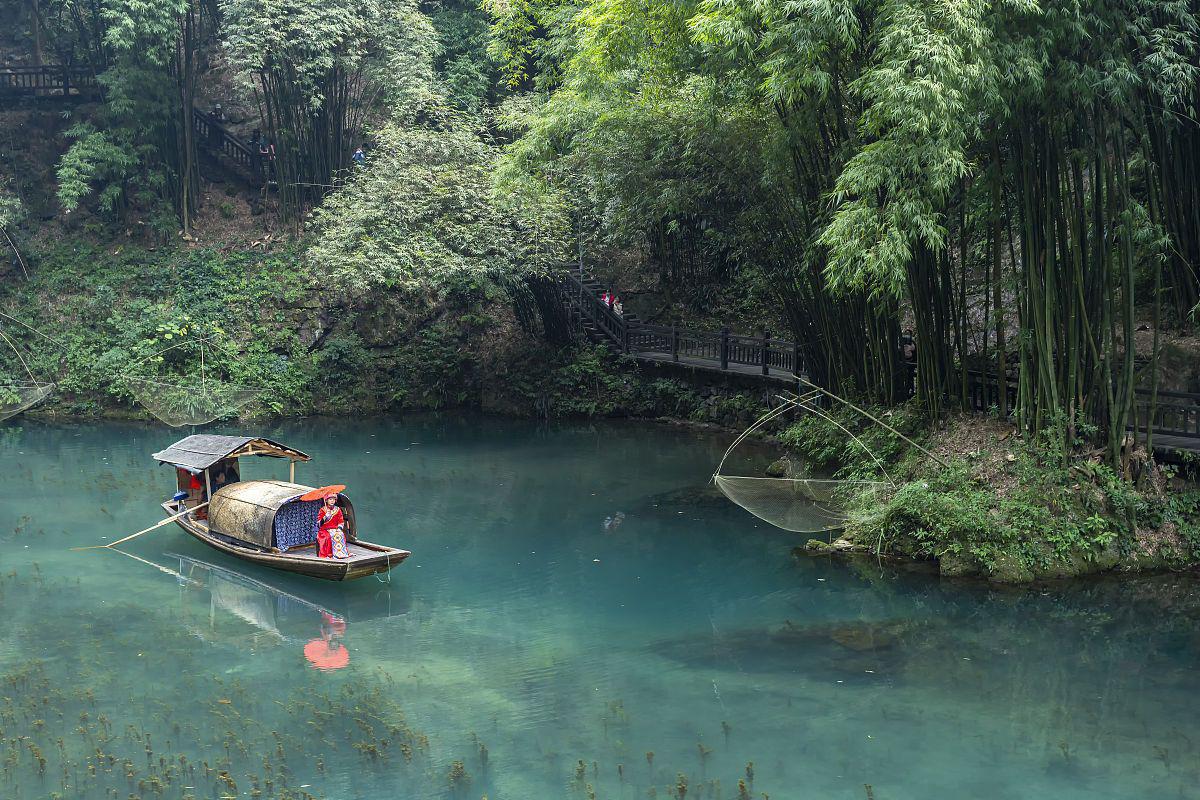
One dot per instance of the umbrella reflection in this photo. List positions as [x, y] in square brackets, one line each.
[328, 652]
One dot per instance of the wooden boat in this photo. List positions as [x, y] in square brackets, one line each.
[262, 521]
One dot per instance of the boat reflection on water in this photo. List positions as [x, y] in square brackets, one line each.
[220, 600]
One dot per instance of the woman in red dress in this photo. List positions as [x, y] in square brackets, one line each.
[331, 529]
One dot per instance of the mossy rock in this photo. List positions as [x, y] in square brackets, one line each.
[1152, 560]
[958, 565]
[1080, 562]
[1009, 568]
[780, 469]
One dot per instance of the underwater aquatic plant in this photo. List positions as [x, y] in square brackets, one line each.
[458, 777]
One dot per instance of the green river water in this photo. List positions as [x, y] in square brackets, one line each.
[526, 652]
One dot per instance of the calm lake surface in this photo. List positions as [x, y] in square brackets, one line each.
[548, 656]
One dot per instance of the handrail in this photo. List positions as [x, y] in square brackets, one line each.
[1176, 413]
[214, 136]
[49, 81]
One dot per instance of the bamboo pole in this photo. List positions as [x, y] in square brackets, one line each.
[873, 418]
[155, 526]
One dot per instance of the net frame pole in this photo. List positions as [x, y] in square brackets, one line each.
[871, 417]
[788, 403]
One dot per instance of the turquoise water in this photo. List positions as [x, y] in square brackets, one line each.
[547, 655]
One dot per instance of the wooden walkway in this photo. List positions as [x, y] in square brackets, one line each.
[1176, 421]
[69, 83]
[78, 84]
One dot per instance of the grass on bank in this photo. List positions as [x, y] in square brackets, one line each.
[283, 330]
[1003, 506]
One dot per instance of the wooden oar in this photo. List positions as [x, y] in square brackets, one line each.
[147, 530]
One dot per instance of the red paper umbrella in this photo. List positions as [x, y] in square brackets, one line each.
[323, 492]
[326, 655]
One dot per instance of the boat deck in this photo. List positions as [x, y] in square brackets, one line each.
[309, 552]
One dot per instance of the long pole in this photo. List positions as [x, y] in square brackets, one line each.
[874, 419]
[155, 526]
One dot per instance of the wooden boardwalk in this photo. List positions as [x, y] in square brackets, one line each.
[1176, 422]
[77, 84]
[63, 83]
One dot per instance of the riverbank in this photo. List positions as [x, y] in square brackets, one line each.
[989, 503]
[304, 348]
[980, 500]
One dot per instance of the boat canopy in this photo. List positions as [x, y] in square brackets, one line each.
[200, 451]
[270, 514]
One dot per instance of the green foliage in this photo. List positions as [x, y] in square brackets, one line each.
[435, 370]
[96, 159]
[1183, 512]
[12, 211]
[323, 69]
[425, 216]
[1011, 510]
[591, 385]
[114, 322]
[464, 62]
[841, 160]
[388, 45]
[914, 126]
[842, 441]
[530, 40]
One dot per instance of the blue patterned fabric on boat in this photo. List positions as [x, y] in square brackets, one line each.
[296, 523]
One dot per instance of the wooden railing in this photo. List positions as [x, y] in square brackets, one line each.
[762, 355]
[78, 83]
[219, 140]
[1176, 414]
[48, 81]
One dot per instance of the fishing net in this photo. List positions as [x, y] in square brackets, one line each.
[800, 505]
[195, 403]
[15, 397]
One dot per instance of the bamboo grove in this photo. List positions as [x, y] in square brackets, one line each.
[1016, 180]
[315, 70]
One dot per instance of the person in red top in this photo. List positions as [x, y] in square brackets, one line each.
[331, 529]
